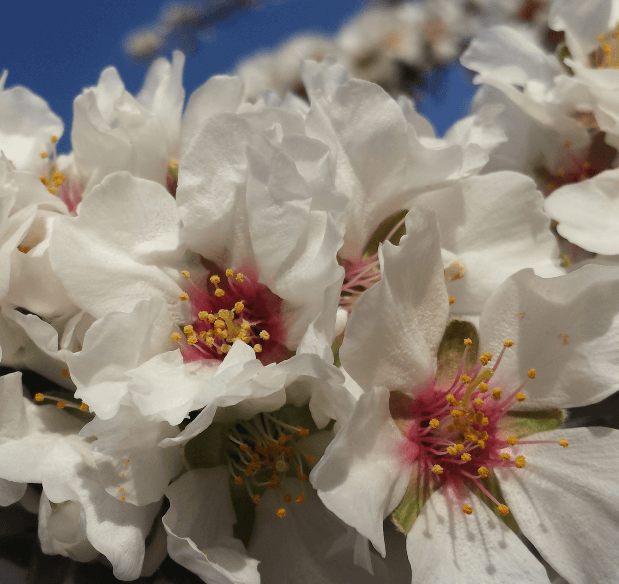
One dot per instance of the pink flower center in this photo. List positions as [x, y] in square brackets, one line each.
[231, 307]
[453, 434]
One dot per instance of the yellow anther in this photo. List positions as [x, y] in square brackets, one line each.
[512, 440]
[434, 423]
[219, 292]
[39, 397]
[240, 277]
[176, 337]
[467, 509]
[188, 329]
[497, 393]
[484, 435]
[51, 190]
[471, 436]
[520, 461]
[215, 279]
[209, 341]
[54, 139]
[460, 447]
[483, 387]
[192, 340]
[238, 480]
[484, 421]
[43, 155]
[264, 335]
[531, 374]
[44, 180]
[122, 498]
[256, 499]
[450, 399]
[239, 307]
[183, 296]
[452, 300]
[481, 443]
[58, 178]
[61, 404]
[287, 498]
[64, 372]
[219, 323]
[508, 343]
[483, 472]
[503, 509]
[211, 318]
[281, 512]
[258, 348]
[223, 313]
[225, 348]
[485, 358]
[478, 402]
[468, 343]
[563, 442]
[437, 469]
[505, 456]
[203, 315]
[452, 450]
[300, 499]
[465, 379]
[185, 274]
[456, 413]
[229, 273]
[311, 459]
[83, 407]
[520, 396]
[466, 457]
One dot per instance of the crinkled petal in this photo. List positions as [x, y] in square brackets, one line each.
[445, 545]
[364, 473]
[199, 526]
[570, 517]
[566, 328]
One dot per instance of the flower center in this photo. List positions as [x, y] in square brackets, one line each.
[454, 435]
[229, 308]
[69, 192]
[263, 451]
[359, 275]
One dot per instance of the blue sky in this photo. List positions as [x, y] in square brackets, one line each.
[58, 48]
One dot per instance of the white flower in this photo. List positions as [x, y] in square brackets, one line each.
[403, 427]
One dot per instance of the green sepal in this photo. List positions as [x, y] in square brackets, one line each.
[451, 349]
[523, 424]
[208, 448]
[491, 483]
[383, 230]
[419, 491]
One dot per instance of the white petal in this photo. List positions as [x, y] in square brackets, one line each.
[11, 492]
[570, 517]
[363, 474]
[588, 212]
[199, 525]
[494, 224]
[445, 545]
[123, 247]
[395, 327]
[566, 328]
[129, 460]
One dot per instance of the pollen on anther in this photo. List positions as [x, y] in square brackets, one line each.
[465, 379]
[311, 459]
[520, 461]
[496, 393]
[281, 512]
[239, 307]
[258, 348]
[185, 274]
[184, 296]
[531, 373]
[61, 404]
[122, 498]
[503, 509]
[287, 498]
[229, 273]
[239, 277]
[43, 155]
[452, 300]
[508, 343]
[450, 399]
[563, 442]
[219, 293]
[300, 499]
[452, 450]
[64, 373]
[483, 472]
[434, 423]
[520, 396]
[83, 407]
[188, 329]
[512, 440]
[176, 337]
[264, 335]
[39, 397]
[437, 469]
[482, 387]
[467, 509]
[466, 457]
[215, 279]
[192, 340]
[505, 456]
[468, 343]
[478, 402]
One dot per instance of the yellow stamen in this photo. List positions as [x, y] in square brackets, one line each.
[563, 442]
[43, 155]
[505, 456]
[508, 343]
[83, 407]
[256, 499]
[450, 399]
[188, 329]
[300, 499]
[466, 457]
[185, 274]
[483, 472]
[520, 461]
[219, 292]
[54, 139]
[258, 348]
[531, 373]
[496, 393]
[39, 397]
[61, 404]
[281, 513]
[437, 469]
[467, 509]
[520, 396]
[176, 337]
[215, 279]
[203, 315]
[478, 402]
[264, 335]
[468, 343]
[238, 307]
[434, 423]
[512, 440]
[184, 296]
[483, 387]
[452, 300]
[503, 509]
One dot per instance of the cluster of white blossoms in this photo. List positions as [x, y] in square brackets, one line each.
[263, 326]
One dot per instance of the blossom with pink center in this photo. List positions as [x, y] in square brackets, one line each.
[432, 435]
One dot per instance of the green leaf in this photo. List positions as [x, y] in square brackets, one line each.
[451, 349]
[419, 491]
[523, 424]
[208, 448]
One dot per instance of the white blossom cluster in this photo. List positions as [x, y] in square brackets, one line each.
[289, 340]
